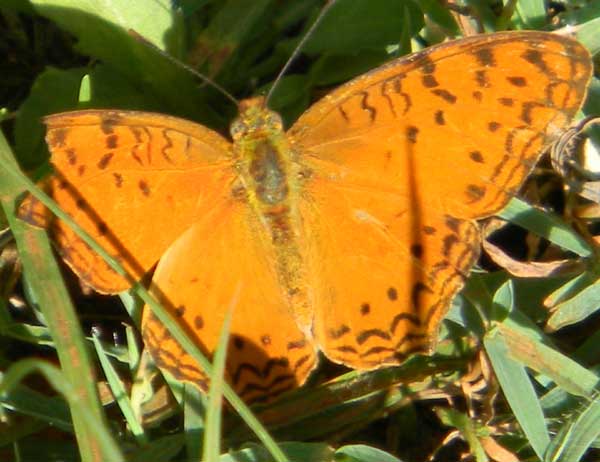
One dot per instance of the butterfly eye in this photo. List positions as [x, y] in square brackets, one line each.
[237, 129]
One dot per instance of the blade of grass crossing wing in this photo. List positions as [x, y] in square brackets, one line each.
[212, 433]
[53, 299]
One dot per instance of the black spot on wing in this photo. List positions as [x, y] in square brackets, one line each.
[481, 78]
[411, 134]
[108, 122]
[105, 160]
[493, 126]
[112, 141]
[71, 156]
[485, 57]
[417, 291]
[536, 58]
[102, 228]
[179, 311]
[365, 309]
[144, 187]
[392, 294]
[475, 192]
[517, 81]
[445, 95]
[416, 250]
[339, 332]
[118, 179]
[476, 156]
[429, 230]
[439, 117]
[238, 342]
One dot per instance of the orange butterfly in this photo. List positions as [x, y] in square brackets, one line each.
[351, 232]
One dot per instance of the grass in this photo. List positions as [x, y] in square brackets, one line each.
[513, 386]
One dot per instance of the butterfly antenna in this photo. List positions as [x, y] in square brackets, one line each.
[298, 49]
[181, 64]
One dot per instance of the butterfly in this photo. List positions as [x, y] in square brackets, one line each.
[348, 234]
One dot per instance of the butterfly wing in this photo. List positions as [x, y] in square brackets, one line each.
[135, 181]
[196, 280]
[402, 159]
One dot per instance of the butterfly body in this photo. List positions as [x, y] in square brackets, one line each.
[271, 183]
[350, 233]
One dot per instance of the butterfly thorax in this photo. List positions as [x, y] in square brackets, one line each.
[263, 157]
[269, 173]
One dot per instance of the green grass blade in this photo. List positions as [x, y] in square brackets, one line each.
[104, 446]
[519, 392]
[466, 427]
[546, 225]
[577, 436]
[577, 308]
[52, 410]
[53, 299]
[297, 452]
[120, 393]
[363, 453]
[212, 434]
[194, 410]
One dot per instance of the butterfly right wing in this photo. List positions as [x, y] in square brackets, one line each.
[400, 162]
[134, 180]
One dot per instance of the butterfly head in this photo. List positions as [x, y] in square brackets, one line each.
[255, 120]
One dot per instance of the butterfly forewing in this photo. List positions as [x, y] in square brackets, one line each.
[134, 181]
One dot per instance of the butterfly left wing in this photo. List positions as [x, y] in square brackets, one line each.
[401, 160]
[196, 280]
[133, 180]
